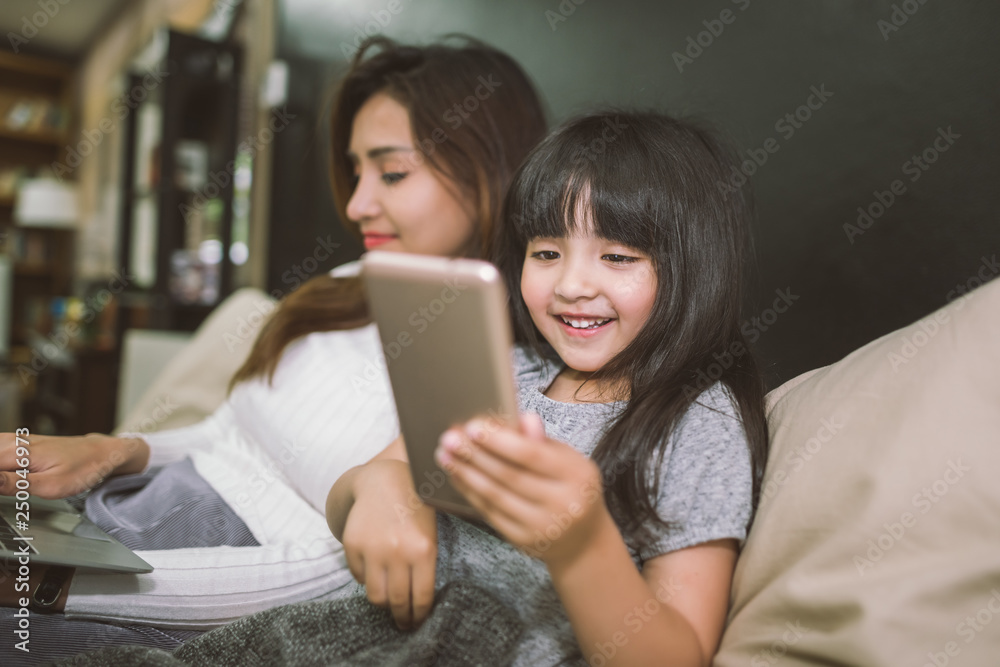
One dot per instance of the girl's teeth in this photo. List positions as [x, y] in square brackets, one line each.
[584, 324]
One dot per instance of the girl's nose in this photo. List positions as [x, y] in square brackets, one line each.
[576, 282]
[363, 204]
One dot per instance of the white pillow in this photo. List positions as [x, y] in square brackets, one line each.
[877, 540]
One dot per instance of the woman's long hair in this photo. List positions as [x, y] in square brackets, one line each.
[476, 149]
[650, 182]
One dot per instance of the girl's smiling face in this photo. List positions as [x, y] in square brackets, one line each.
[588, 296]
[399, 202]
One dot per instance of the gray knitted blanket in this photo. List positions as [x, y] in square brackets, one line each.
[468, 626]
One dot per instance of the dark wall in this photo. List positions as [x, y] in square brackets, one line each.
[305, 238]
[889, 95]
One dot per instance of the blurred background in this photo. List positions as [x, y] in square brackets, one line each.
[156, 155]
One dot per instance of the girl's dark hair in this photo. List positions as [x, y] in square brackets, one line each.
[476, 148]
[649, 182]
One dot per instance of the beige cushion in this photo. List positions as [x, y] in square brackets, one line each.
[194, 382]
[877, 541]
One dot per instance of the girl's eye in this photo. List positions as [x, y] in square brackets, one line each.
[620, 259]
[393, 177]
[545, 254]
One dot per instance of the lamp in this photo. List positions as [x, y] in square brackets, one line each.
[46, 202]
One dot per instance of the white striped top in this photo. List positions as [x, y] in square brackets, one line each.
[272, 453]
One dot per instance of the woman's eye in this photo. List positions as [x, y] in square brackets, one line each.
[545, 254]
[393, 177]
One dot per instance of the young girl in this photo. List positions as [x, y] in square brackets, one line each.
[616, 510]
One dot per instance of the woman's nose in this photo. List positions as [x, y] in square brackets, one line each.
[362, 205]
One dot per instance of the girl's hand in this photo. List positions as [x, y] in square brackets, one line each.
[390, 540]
[59, 467]
[542, 495]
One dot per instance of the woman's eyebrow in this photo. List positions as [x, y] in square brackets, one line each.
[381, 150]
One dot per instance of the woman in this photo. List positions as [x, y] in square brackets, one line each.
[312, 399]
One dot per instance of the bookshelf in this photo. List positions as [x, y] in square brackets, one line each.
[181, 170]
[37, 98]
[35, 115]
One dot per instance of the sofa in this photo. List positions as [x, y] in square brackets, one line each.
[877, 538]
[195, 381]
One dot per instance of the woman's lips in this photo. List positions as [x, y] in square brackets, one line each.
[375, 240]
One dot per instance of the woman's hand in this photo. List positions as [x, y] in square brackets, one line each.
[542, 495]
[391, 541]
[59, 467]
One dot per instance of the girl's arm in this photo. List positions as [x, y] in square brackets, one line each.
[672, 613]
[528, 487]
[342, 495]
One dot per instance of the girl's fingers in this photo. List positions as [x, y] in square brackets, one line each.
[532, 426]
[492, 498]
[422, 574]
[457, 453]
[510, 445]
[513, 530]
[518, 530]
[356, 564]
[376, 586]
[400, 602]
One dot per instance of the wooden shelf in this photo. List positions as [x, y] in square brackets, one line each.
[47, 137]
[35, 66]
[34, 269]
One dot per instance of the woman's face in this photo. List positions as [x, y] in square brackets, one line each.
[399, 202]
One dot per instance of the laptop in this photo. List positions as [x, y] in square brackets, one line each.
[56, 534]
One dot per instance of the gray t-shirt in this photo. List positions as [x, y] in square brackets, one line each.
[704, 492]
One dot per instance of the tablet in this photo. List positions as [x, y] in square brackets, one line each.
[447, 341]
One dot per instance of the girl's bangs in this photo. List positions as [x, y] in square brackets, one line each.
[565, 190]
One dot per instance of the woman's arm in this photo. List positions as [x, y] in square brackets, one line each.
[63, 466]
[174, 444]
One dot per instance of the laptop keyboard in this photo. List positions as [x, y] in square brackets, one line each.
[7, 535]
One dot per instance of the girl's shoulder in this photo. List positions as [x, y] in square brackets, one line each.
[716, 403]
[712, 424]
[531, 370]
[705, 479]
